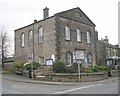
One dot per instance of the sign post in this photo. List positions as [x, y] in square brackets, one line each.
[79, 62]
[79, 56]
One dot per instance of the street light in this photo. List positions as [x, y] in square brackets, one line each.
[32, 53]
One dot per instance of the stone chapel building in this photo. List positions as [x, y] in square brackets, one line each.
[58, 37]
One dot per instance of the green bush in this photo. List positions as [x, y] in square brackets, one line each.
[35, 66]
[103, 68]
[59, 67]
[91, 69]
[70, 69]
[75, 66]
[18, 65]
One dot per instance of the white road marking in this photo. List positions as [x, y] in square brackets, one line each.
[11, 91]
[75, 89]
[23, 86]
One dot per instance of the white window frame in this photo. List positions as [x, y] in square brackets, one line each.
[22, 40]
[88, 37]
[79, 35]
[40, 35]
[67, 33]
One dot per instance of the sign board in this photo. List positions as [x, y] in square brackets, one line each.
[78, 55]
[79, 61]
[49, 62]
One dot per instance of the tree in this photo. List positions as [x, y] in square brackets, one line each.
[4, 45]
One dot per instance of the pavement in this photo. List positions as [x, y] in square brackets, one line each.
[17, 78]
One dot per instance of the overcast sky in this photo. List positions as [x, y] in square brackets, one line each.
[18, 13]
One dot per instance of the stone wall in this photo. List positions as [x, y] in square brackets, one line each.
[63, 46]
[71, 77]
[85, 77]
[44, 49]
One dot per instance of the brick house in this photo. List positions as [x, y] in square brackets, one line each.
[58, 37]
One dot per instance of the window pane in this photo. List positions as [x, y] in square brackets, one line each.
[78, 35]
[69, 59]
[67, 33]
[30, 37]
[40, 35]
[88, 37]
[22, 40]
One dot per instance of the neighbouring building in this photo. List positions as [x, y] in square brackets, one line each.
[107, 53]
[59, 37]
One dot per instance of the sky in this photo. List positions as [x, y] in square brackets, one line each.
[15, 14]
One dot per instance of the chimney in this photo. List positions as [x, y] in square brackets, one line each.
[106, 40]
[46, 13]
[35, 21]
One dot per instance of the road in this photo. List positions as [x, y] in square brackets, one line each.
[97, 87]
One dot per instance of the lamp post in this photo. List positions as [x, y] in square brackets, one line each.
[32, 52]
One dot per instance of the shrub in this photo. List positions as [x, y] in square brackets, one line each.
[35, 66]
[18, 64]
[89, 70]
[96, 68]
[70, 69]
[59, 67]
[75, 66]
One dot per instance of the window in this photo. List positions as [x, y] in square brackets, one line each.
[79, 39]
[109, 52]
[30, 55]
[41, 60]
[89, 56]
[68, 59]
[67, 33]
[88, 37]
[115, 53]
[22, 40]
[30, 37]
[40, 35]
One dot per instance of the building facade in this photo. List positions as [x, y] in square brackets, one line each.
[106, 50]
[67, 36]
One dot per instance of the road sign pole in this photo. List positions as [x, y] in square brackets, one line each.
[79, 71]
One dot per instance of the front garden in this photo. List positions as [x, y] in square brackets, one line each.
[60, 72]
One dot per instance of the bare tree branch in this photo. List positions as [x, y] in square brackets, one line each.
[4, 44]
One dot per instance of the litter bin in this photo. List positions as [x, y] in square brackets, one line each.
[109, 74]
[30, 74]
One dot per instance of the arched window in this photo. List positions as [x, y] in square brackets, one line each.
[88, 37]
[22, 40]
[79, 35]
[40, 35]
[30, 37]
[67, 33]
[68, 58]
[89, 56]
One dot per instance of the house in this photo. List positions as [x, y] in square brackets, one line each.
[58, 37]
[107, 53]
[65, 36]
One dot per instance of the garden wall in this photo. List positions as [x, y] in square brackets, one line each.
[71, 77]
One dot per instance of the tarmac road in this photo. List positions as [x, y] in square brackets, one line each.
[108, 86]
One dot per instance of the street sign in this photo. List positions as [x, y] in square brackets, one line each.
[78, 55]
[79, 61]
